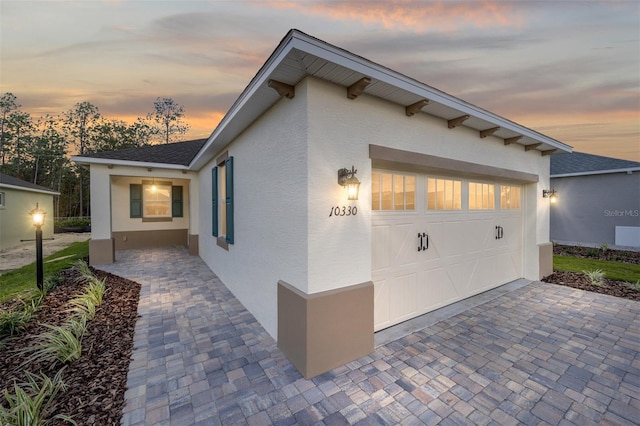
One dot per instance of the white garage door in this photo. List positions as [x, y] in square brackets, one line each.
[437, 240]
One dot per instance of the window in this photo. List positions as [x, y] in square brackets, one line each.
[1, 200]
[393, 191]
[222, 200]
[444, 194]
[151, 200]
[509, 197]
[481, 196]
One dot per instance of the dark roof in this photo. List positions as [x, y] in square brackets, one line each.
[14, 181]
[173, 153]
[579, 162]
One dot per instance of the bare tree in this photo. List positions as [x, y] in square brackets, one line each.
[168, 118]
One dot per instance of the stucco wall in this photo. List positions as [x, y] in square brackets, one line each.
[590, 207]
[285, 177]
[15, 222]
[270, 202]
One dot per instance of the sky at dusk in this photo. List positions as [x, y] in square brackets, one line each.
[569, 69]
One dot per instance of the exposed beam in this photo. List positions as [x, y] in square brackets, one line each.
[488, 132]
[412, 109]
[548, 152]
[455, 122]
[283, 89]
[531, 146]
[357, 88]
[509, 141]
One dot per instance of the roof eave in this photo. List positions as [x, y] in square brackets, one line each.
[24, 188]
[114, 162]
[597, 172]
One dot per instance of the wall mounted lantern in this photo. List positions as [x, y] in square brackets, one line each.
[37, 215]
[347, 178]
[551, 195]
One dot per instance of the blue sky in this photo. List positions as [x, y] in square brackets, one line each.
[569, 69]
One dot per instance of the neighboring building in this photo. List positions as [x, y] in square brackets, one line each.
[17, 199]
[599, 200]
[450, 201]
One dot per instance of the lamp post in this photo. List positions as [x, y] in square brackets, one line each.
[37, 215]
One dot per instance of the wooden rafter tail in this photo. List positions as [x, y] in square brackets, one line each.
[455, 122]
[509, 141]
[357, 88]
[412, 109]
[531, 146]
[285, 90]
[548, 151]
[488, 132]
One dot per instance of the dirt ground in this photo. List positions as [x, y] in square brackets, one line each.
[25, 253]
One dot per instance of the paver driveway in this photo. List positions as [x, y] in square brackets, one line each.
[541, 354]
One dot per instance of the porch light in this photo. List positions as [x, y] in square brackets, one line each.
[347, 178]
[551, 195]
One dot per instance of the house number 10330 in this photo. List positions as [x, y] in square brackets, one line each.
[343, 211]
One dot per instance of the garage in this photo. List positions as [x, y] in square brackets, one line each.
[438, 239]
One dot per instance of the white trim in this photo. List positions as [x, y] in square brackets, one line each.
[107, 161]
[597, 172]
[23, 188]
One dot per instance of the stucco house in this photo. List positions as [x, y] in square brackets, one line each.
[599, 201]
[450, 200]
[17, 199]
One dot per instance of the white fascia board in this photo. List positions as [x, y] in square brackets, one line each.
[378, 72]
[23, 188]
[597, 172]
[142, 164]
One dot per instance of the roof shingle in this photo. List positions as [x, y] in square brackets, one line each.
[180, 153]
[579, 162]
[14, 181]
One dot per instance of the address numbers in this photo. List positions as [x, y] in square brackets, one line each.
[343, 211]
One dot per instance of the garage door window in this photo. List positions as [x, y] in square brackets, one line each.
[444, 194]
[393, 191]
[509, 197]
[481, 196]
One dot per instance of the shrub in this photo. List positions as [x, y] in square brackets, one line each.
[595, 277]
[31, 402]
[74, 222]
[12, 322]
[604, 247]
[59, 344]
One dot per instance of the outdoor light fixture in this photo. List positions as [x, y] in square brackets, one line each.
[551, 195]
[347, 178]
[37, 215]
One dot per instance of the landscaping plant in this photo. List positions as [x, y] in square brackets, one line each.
[31, 402]
[595, 277]
[59, 344]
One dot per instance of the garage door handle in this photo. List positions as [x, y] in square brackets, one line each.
[420, 246]
[426, 239]
[499, 232]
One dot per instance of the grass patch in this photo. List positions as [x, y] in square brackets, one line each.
[23, 280]
[613, 270]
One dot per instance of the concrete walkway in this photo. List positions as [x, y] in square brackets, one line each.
[540, 354]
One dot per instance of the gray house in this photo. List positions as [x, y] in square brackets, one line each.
[599, 200]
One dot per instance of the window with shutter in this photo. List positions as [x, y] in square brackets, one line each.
[222, 200]
[176, 201]
[135, 200]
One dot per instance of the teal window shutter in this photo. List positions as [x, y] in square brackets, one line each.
[214, 203]
[176, 201]
[229, 200]
[135, 200]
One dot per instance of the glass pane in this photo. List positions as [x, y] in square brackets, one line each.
[375, 191]
[491, 197]
[431, 194]
[398, 192]
[387, 192]
[515, 197]
[448, 195]
[472, 196]
[410, 192]
[504, 197]
[156, 208]
[457, 198]
[440, 194]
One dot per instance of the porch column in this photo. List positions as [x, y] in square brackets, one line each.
[101, 246]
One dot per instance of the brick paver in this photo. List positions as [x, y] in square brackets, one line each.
[541, 354]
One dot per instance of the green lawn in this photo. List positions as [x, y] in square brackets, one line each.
[23, 280]
[613, 270]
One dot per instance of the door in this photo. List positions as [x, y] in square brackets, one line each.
[442, 248]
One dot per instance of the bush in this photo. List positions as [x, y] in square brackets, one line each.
[74, 222]
[595, 277]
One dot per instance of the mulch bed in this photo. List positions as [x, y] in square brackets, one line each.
[96, 381]
[623, 256]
